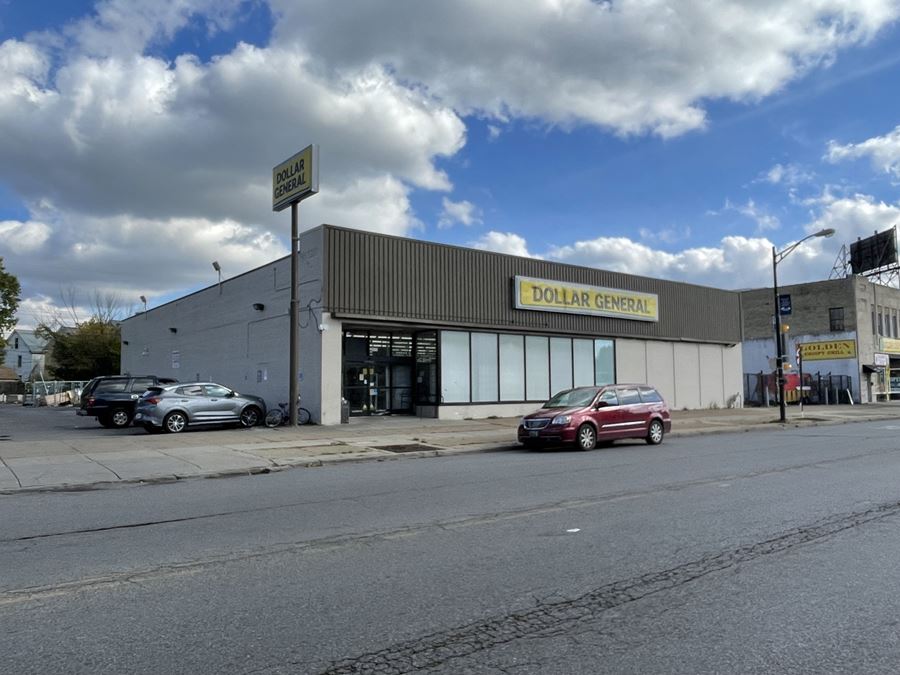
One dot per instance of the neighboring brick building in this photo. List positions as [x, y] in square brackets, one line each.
[837, 311]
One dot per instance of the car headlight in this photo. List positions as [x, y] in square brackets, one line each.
[561, 419]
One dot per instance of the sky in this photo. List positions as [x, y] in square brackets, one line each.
[679, 139]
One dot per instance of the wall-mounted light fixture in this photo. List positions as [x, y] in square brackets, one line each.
[258, 306]
[173, 330]
[124, 342]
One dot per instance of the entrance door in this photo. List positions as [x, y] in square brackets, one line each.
[378, 372]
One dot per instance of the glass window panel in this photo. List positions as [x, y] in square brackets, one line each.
[512, 368]
[454, 367]
[484, 366]
[604, 362]
[537, 368]
[560, 364]
[629, 396]
[583, 353]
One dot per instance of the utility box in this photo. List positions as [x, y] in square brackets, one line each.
[345, 411]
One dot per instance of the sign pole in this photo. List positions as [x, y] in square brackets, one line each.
[800, 368]
[294, 180]
[294, 387]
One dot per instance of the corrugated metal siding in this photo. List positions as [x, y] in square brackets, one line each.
[384, 277]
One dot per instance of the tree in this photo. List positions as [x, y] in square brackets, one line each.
[9, 303]
[92, 347]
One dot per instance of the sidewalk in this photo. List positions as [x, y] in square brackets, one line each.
[80, 463]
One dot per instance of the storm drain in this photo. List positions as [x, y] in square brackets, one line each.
[408, 447]
[4, 437]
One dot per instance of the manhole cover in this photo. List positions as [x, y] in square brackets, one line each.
[410, 447]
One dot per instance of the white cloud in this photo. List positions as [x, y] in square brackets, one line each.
[666, 235]
[463, 212]
[789, 174]
[120, 27]
[629, 66]
[503, 242]
[22, 238]
[882, 151]
[763, 219]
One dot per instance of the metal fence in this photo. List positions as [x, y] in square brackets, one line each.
[53, 392]
[760, 389]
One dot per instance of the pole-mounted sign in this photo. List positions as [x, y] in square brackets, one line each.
[293, 180]
[296, 178]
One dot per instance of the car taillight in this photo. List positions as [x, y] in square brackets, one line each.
[90, 401]
[152, 400]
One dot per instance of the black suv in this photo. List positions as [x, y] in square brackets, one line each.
[112, 399]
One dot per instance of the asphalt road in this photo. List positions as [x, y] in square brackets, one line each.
[770, 552]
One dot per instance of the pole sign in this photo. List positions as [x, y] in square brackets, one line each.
[784, 304]
[296, 178]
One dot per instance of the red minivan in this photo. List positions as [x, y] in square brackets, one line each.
[586, 415]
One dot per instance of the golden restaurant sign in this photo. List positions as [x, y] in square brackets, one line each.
[560, 296]
[827, 350]
[890, 345]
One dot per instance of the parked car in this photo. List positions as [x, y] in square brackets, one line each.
[174, 407]
[111, 399]
[586, 415]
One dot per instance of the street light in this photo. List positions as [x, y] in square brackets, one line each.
[777, 257]
[218, 268]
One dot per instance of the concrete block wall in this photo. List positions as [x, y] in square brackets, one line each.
[219, 336]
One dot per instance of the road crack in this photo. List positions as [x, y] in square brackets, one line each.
[558, 617]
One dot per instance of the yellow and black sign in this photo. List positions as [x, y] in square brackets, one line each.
[296, 178]
[559, 296]
[827, 350]
[890, 345]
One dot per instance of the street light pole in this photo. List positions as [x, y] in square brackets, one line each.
[779, 358]
[777, 257]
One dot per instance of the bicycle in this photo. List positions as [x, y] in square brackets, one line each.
[280, 416]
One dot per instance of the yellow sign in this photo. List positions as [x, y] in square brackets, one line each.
[559, 296]
[296, 178]
[890, 345]
[831, 349]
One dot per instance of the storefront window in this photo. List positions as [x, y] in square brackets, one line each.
[604, 362]
[560, 364]
[454, 367]
[537, 368]
[512, 368]
[484, 367]
[489, 367]
[583, 362]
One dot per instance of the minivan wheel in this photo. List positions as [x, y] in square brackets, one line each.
[655, 433]
[250, 416]
[587, 437]
[119, 418]
[174, 422]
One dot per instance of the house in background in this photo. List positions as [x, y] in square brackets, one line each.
[26, 354]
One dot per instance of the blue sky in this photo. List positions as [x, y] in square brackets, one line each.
[671, 139]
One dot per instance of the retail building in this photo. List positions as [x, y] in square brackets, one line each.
[401, 326]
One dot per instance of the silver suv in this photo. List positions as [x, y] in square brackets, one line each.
[174, 407]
